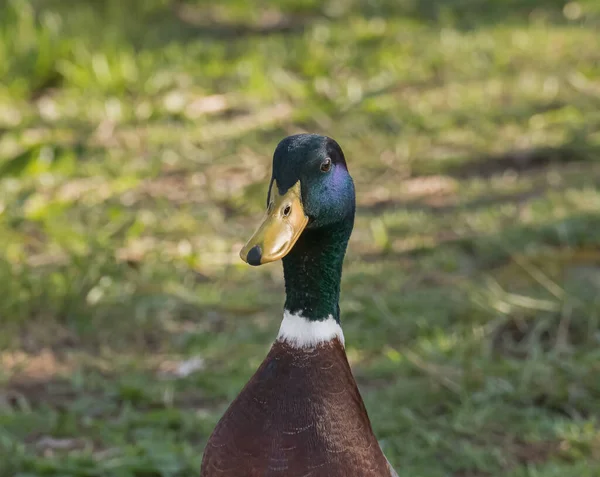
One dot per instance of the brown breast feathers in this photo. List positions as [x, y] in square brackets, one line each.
[301, 415]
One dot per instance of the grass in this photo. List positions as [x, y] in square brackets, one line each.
[135, 145]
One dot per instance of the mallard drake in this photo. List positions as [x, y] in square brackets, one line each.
[301, 414]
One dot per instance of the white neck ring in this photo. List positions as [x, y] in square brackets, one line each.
[300, 332]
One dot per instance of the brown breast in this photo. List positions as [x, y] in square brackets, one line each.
[300, 415]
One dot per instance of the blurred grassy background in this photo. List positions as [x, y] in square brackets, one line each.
[135, 147]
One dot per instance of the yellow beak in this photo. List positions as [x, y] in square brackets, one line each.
[280, 228]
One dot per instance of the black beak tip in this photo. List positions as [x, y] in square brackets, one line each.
[254, 256]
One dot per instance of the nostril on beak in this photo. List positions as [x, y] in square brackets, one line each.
[254, 255]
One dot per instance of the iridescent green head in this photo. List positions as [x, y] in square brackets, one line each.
[310, 188]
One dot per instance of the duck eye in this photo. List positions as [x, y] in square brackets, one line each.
[287, 210]
[326, 165]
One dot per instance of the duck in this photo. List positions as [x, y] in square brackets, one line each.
[301, 414]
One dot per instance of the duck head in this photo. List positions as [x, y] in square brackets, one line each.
[310, 189]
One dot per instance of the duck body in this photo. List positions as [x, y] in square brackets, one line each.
[301, 414]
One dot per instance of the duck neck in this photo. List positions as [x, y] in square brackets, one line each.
[313, 271]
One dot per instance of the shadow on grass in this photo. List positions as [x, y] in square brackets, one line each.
[182, 21]
[467, 14]
[577, 153]
[518, 161]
